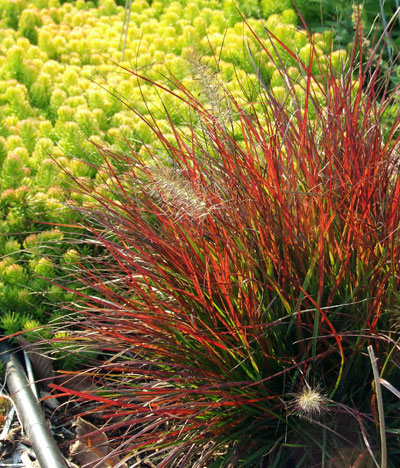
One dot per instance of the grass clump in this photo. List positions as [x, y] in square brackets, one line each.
[243, 278]
[57, 59]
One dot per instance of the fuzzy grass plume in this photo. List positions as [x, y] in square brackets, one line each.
[244, 277]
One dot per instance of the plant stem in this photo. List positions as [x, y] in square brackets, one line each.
[380, 406]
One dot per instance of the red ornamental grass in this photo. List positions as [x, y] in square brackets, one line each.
[243, 279]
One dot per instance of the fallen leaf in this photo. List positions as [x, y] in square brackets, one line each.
[49, 400]
[13, 434]
[7, 445]
[79, 382]
[92, 447]
[42, 365]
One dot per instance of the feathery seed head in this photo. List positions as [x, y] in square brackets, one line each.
[171, 189]
[309, 403]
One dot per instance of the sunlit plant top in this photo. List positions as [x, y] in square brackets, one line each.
[61, 85]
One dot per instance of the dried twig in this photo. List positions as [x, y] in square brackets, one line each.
[390, 387]
[380, 406]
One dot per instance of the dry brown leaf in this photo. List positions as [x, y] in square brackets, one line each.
[13, 435]
[78, 382]
[86, 457]
[7, 445]
[42, 364]
[92, 447]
